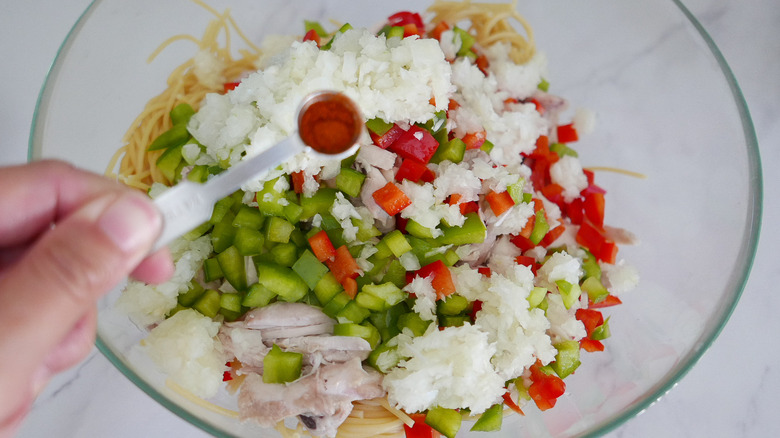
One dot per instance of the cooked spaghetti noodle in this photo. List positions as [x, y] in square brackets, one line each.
[135, 166]
[490, 24]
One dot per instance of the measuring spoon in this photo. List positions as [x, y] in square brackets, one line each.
[329, 125]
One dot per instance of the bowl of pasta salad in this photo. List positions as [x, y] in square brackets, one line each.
[550, 214]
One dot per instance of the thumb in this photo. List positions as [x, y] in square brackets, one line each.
[68, 268]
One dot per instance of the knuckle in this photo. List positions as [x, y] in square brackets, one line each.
[74, 271]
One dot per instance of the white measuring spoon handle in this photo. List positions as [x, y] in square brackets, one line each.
[187, 205]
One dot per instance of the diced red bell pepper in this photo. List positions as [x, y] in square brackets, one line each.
[499, 202]
[415, 143]
[321, 246]
[528, 229]
[589, 237]
[575, 210]
[593, 238]
[511, 404]
[391, 198]
[523, 242]
[484, 270]
[607, 253]
[476, 306]
[227, 376]
[546, 388]
[529, 226]
[554, 193]
[608, 301]
[591, 345]
[230, 86]
[589, 175]
[543, 158]
[538, 205]
[385, 140]
[420, 429]
[475, 140]
[312, 35]
[465, 207]
[350, 286]
[411, 29]
[410, 169]
[405, 17]
[483, 64]
[469, 207]
[592, 188]
[428, 176]
[552, 235]
[590, 318]
[527, 261]
[442, 278]
[594, 208]
[437, 31]
[409, 277]
[343, 265]
[542, 150]
[567, 133]
[540, 173]
[538, 105]
[400, 223]
[297, 181]
[543, 142]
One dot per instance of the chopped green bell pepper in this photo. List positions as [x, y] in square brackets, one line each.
[327, 288]
[569, 292]
[567, 359]
[258, 296]
[452, 305]
[445, 421]
[541, 227]
[472, 231]
[249, 241]
[232, 264]
[177, 136]
[310, 269]
[350, 182]
[193, 293]
[281, 366]
[208, 303]
[413, 322]
[490, 420]
[283, 281]
[181, 114]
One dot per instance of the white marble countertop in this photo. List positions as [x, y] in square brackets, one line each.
[727, 394]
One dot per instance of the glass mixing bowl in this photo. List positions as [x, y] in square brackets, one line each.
[667, 106]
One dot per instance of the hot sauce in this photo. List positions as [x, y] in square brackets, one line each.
[329, 123]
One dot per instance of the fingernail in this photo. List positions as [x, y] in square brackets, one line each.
[130, 222]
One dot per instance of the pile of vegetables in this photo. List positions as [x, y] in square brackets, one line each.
[284, 245]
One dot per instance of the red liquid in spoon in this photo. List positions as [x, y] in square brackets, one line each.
[330, 123]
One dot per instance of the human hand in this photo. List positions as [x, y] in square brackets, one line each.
[66, 238]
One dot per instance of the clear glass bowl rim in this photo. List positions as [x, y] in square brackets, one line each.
[750, 243]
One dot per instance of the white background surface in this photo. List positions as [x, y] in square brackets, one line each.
[733, 390]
